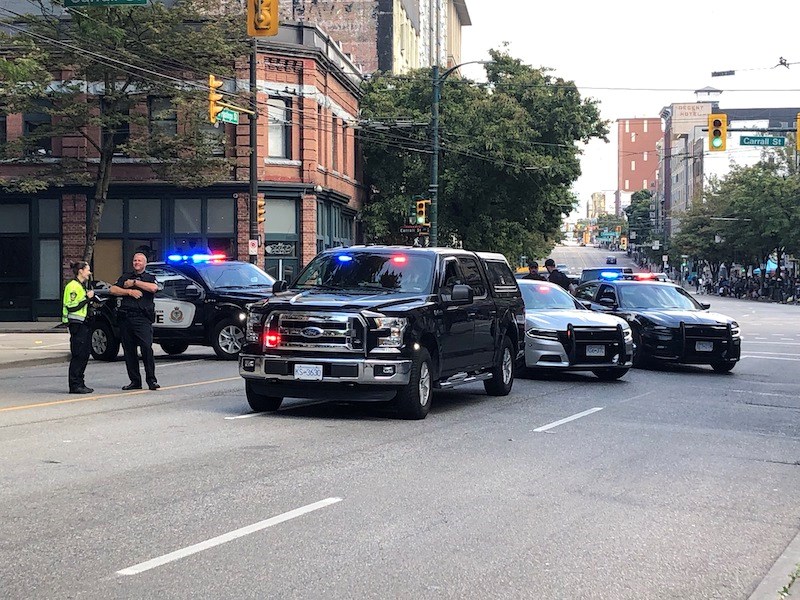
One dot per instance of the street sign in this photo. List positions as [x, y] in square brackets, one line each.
[656, 245]
[228, 116]
[761, 140]
[665, 258]
[81, 3]
[252, 247]
[416, 229]
[633, 235]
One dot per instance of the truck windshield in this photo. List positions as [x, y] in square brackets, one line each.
[397, 272]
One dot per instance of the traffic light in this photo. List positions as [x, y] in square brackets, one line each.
[422, 212]
[797, 130]
[213, 97]
[261, 211]
[717, 132]
[262, 17]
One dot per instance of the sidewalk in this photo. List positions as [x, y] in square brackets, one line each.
[33, 343]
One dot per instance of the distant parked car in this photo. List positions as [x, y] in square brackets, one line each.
[611, 260]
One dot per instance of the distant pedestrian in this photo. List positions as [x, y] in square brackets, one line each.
[136, 314]
[75, 313]
[556, 276]
[533, 271]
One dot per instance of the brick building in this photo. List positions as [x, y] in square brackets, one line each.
[309, 175]
[392, 36]
[637, 158]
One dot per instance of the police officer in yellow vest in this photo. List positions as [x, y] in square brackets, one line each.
[74, 313]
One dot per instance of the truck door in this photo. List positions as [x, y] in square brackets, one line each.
[482, 312]
[456, 325]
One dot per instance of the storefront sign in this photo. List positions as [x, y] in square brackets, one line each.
[279, 249]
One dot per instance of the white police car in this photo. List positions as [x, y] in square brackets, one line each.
[201, 301]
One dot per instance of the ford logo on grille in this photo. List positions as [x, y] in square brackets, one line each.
[312, 332]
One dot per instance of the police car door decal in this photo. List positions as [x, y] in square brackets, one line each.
[173, 314]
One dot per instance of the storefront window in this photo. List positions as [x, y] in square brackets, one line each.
[111, 221]
[221, 215]
[187, 215]
[281, 216]
[49, 216]
[14, 218]
[144, 215]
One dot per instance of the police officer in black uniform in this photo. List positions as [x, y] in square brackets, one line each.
[533, 271]
[556, 276]
[136, 314]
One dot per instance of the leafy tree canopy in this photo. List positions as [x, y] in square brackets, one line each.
[510, 152]
[93, 69]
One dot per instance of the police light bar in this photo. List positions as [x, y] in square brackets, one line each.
[344, 258]
[195, 258]
[644, 276]
[609, 275]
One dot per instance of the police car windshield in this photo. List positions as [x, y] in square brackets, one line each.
[538, 296]
[223, 275]
[656, 296]
[369, 271]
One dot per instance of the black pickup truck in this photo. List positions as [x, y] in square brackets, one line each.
[375, 323]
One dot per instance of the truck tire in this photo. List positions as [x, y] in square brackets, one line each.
[260, 402]
[227, 339]
[414, 400]
[104, 344]
[503, 372]
[723, 366]
[174, 347]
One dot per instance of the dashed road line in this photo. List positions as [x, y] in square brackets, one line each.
[567, 419]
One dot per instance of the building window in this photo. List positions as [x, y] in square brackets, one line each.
[627, 126]
[644, 156]
[280, 128]
[281, 216]
[644, 184]
[214, 136]
[163, 116]
[627, 185]
[645, 126]
[221, 215]
[34, 125]
[633, 165]
[144, 215]
[344, 148]
[320, 137]
[188, 213]
[117, 127]
[335, 144]
[633, 137]
[111, 221]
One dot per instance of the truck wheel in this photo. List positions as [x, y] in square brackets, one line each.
[640, 359]
[227, 338]
[174, 347]
[260, 402]
[414, 400]
[609, 374]
[104, 344]
[503, 372]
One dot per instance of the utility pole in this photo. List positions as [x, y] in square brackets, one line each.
[433, 189]
[254, 235]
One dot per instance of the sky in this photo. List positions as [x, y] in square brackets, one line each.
[637, 57]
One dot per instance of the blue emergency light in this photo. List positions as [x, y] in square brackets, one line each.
[609, 275]
[195, 258]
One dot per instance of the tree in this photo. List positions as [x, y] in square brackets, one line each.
[105, 62]
[509, 154]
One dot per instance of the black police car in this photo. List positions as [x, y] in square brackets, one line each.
[668, 323]
[201, 301]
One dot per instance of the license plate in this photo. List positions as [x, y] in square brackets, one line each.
[308, 372]
[704, 346]
[595, 350]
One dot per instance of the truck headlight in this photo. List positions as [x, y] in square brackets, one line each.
[390, 331]
[736, 332]
[627, 335]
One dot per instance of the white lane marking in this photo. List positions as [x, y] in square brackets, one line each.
[180, 362]
[787, 339]
[762, 393]
[568, 419]
[760, 352]
[774, 343]
[225, 537]
[247, 416]
[771, 357]
[635, 397]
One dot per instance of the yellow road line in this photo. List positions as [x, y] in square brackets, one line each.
[92, 398]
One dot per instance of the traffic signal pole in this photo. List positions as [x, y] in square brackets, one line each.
[433, 189]
[254, 148]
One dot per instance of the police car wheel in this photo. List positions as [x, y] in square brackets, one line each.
[104, 344]
[174, 347]
[227, 339]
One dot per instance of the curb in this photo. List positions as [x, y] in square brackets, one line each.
[29, 362]
[780, 575]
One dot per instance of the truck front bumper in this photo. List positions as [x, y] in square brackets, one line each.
[356, 370]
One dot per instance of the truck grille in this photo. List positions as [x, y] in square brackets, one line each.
[706, 332]
[322, 332]
[577, 339]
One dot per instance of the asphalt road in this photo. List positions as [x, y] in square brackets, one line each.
[671, 483]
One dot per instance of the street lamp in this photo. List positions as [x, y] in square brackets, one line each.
[433, 188]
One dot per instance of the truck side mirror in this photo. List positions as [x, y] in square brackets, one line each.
[193, 292]
[279, 286]
[462, 294]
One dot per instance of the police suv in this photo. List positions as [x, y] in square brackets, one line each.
[201, 301]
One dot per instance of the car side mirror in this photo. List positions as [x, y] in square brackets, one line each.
[608, 302]
[586, 304]
[705, 305]
[279, 286]
[462, 294]
[193, 292]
